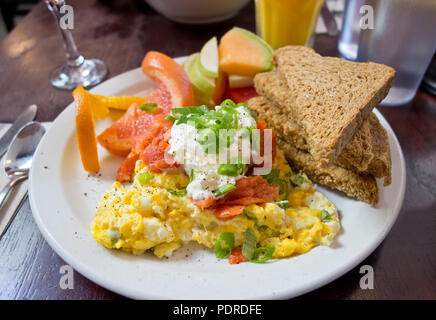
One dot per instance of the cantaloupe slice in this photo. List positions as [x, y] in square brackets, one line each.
[243, 53]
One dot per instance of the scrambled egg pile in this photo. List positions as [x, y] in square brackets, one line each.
[141, 217]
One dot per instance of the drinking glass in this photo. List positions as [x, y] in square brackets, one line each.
[287, 22]
[404, 39]
[429, 82]
[77, 71]
[349, 39]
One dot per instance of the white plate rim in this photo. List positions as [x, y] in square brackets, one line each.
[291, 292]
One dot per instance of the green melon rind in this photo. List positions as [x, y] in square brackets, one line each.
[267, 48]
[203, 69]
[202, 86]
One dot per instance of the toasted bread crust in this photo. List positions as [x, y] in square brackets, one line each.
[382, 164]
[329, 97]
[367, 153]
[358, 186]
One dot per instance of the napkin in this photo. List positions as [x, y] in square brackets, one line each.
[17, 195]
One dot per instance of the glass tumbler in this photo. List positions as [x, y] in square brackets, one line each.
[403, 38]
[349, 39]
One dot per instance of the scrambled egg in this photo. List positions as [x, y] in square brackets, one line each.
[137, 218]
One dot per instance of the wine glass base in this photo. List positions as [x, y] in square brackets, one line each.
[89, 73]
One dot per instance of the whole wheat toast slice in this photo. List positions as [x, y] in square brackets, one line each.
[367, 153]
[382, 164]
[358, 186]
[329, 97]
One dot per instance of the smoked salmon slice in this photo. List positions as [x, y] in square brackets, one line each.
[149, 144]
[142, 134]
[225, 212]
[205, 203]
[249, 190]
[120, 137]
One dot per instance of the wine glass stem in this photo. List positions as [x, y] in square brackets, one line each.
[74, 58]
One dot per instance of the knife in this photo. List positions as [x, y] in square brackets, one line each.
[26, 116]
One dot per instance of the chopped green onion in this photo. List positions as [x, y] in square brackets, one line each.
[283, 204]
[224, 189]
[188, 110]
[144, 178]
[208, 122]
[273, 176]
[228, 120]
[228, 109]
[149, 107]
[223, 135]
[231, 170]
[249, 245]
[114, 236]
[178, 193]
[251, 216]
[228, 103]
[204, 135]
[228, 238]
[246, 132]
[235, 121]
[191, 176]
[249, 112]
[299, 179]
[262, 254]
[325, 216]
[170, 118]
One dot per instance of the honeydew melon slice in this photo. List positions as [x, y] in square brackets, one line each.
[209, 58]
[202, 85]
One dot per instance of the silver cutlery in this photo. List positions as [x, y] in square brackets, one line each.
[26, 116]
[19, 158]
[4, 225]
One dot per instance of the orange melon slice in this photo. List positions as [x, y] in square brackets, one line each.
[243, 53]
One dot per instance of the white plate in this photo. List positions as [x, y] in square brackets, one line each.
[63, 213]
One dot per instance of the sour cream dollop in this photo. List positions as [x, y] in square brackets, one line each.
[202, 167]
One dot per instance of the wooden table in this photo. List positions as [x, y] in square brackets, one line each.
[120, 33]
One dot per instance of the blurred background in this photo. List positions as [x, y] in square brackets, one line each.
[404, 39]
[120, 32]
[11, 13]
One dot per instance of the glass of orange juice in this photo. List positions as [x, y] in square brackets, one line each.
[287, 22]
